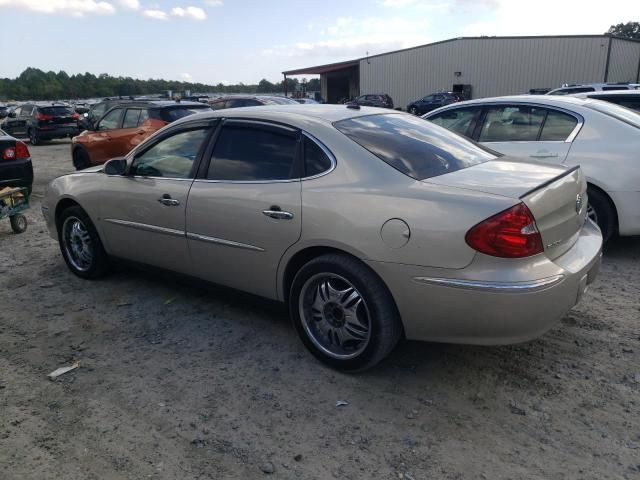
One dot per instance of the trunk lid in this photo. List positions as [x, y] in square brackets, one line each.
[555, 195]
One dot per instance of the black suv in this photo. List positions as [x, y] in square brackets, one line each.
[15, 163]
[88, 120]
[235, 101]
[42, 122]
[433, 101]
[381, 100]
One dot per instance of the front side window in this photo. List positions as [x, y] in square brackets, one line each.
[412, 145]
[171, 157]
[457, 120]
[248, 153]
[111, 120]
[97, 111]
[512, 123]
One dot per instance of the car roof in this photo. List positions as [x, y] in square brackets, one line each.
[292, 113]
[540, 99]
[161, 103]
[608, 93]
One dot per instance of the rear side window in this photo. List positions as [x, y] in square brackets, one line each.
[315, 160]
[557, 126]
[56, 111]
[632, 103]
[219, 105]
[413, 146]
[512, 124]
[615, 88]
[247, 153]
[457, 120]
[131, 118]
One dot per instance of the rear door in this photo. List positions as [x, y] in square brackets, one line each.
[244, 210]
[530, 132]
[144, 217]
[17, 126]
[131, 132]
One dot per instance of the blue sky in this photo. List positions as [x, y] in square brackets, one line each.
[234, 41]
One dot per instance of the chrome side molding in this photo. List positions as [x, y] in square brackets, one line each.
[515, 287]
[222, 241]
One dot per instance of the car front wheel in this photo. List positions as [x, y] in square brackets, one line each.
[80, 244]
[413, 110]
[344, 313]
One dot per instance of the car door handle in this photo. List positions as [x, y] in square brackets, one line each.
[168, 201]
[278, 214]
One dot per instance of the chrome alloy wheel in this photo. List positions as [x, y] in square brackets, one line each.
[592, 214]
[334, 316]
[77, 243]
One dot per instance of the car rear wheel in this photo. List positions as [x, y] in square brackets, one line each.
[601, 212]
[33, 137]
[80, 244]
[80, 159]
[413, 110]
[344, 313]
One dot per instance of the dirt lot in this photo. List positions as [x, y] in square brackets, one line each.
[181, 382]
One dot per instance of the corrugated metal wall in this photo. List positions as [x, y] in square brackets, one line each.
[493, 66]
[624, 61]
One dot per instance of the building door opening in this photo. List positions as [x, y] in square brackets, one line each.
[462, 89]
[337, 88]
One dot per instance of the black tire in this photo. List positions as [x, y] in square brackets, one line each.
[81, 159]
[603, 213]
[33, 137]
[18, 223]
[98, 266]
[383, 318]
[413, 111]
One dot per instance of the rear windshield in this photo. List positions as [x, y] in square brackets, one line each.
[412, 145]
[174, 113]
[616, 111]
[56, 111]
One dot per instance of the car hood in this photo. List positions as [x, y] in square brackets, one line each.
[505, 176]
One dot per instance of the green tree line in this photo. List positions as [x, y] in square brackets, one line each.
[35, 84]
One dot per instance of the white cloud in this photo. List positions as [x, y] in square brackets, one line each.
[194, 13]
[214, 3]
[76, 8]
[349, 37]
[516, 18]
[130, 4]
[186, 77]
[155, 14]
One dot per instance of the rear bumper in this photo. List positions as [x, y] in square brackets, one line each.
[57, 132]
[18, 173]
[475, 306]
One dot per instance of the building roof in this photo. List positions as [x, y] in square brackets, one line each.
[355, 62]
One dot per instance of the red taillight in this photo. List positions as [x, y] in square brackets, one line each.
[509, 234]
[19, 152]
[75, 115]
[41, 117]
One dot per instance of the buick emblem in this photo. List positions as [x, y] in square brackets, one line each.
[579, 204]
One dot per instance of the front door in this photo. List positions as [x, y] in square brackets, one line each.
[99, 143]
[527, 132]
[246, 210]
[144, 219]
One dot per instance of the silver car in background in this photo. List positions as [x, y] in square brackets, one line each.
[601, 137]
[371, 225]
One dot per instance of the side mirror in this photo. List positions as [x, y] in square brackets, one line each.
[116, 166]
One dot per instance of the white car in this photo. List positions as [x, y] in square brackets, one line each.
[593, 87]
[601, 137]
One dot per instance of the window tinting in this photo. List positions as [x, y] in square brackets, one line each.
[131, 118]
[457, 120]
[412, 145]
[615, 88]
[632, 103]
[512, 124]
[171, 157]
[56, 111]
[111, 120]
[557, 126]
[174, 113]
[252, 153]
[315, 160]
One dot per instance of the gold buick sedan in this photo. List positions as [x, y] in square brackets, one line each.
[372, 225]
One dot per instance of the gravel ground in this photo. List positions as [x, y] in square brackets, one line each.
[186, 382]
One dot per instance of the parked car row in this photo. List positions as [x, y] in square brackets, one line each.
[42, 122]
[15, 163]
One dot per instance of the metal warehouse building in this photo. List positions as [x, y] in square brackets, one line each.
[482, 67]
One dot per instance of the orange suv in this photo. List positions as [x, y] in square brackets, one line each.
[124, 126]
